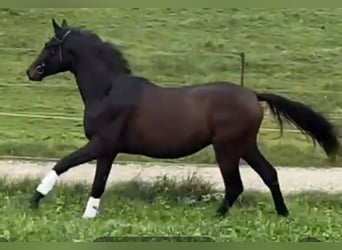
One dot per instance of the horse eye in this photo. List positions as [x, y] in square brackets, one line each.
[52, 52]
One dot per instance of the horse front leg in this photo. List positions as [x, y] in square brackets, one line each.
[103, 167]
[94, 149]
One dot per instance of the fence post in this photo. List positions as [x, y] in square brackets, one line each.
[242, 67]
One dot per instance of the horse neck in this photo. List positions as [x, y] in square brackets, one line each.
[94, 81]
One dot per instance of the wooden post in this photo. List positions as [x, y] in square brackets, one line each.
[243, 60]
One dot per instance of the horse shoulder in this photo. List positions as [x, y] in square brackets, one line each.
[126, 94]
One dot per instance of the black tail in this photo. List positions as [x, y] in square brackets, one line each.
[305, 119]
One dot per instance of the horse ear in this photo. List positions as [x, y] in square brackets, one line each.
[64, 23]
[55, 25]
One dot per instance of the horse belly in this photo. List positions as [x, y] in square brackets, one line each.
[176, 139]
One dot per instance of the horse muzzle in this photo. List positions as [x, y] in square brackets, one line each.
[36, 74]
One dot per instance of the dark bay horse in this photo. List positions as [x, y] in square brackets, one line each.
[129, 114]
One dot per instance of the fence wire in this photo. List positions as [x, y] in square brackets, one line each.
[156, 52]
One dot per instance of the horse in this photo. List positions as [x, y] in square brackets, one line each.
[126, 113]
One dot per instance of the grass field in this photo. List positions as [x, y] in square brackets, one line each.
[164, 209]
[293, 52]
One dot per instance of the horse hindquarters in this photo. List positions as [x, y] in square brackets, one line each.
[235, 130]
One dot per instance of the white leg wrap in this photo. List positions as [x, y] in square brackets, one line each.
[47, 183]
[92, 208]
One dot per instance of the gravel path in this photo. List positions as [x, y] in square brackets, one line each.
[291, 179]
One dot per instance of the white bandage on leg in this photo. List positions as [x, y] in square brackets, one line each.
[47, 183]
[92, 208]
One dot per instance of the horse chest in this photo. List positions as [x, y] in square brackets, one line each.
[94, 120]
[90, 127]
[103, 119]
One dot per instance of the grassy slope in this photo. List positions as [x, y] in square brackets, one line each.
[162, 209]
[296, 51]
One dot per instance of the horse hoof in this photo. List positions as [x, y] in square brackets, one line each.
[34, 202]
[34, 205]
[222, 211]
[283, 213]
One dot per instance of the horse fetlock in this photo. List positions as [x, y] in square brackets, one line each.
[282, 211]
[222, 210]
[47, 183]
[92, 209]
[45, 186]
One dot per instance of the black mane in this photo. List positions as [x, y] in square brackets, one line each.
[107, 51]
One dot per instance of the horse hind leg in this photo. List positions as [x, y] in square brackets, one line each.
[228, 161]
[269, 176]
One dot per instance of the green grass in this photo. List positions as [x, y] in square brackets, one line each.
[292, 52]
[164, 208]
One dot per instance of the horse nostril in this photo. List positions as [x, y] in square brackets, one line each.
[30, 74]
[40, 69]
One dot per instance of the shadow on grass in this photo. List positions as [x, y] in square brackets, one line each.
[192, 191]
[191, 188]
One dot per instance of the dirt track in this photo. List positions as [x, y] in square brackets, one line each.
[291, 179]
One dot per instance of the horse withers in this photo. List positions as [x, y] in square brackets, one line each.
[129, 114]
